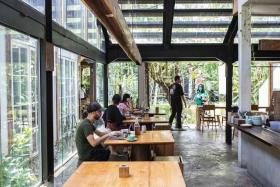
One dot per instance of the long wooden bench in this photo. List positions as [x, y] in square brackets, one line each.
[178, 159]
[162, 126]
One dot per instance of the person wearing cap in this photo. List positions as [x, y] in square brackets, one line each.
[113, 116]
[90, 148]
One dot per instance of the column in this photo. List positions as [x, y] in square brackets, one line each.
[244, 55]
[141, 85]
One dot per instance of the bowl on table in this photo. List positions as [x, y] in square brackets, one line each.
[131, 137]
[257, 120]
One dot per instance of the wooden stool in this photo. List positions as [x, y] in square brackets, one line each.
[162, 126]
[178, 159]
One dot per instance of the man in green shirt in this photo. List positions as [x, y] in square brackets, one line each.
[90, 148]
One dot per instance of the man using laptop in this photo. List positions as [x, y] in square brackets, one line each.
[90, 148]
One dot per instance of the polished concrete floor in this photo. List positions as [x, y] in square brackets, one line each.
[208, 161]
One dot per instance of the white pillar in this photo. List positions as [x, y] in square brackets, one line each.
[244, 55]
[142, 85]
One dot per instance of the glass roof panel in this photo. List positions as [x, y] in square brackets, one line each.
[203, 6]
[145, 19]
[201, 21]
[199, 29]
[265, 27]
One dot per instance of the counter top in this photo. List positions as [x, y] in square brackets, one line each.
[264, 135]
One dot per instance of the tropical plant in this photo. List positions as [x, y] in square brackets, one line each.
[15, 170]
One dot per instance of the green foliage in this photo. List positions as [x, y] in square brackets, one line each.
[86, 79]
[15, 170]
[162, 75]
[123, 78]
[259, 75]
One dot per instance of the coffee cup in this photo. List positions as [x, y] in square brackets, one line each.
[131, 137]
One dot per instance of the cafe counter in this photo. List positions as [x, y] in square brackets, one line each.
[259, 152]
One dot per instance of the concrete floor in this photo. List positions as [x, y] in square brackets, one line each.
[208, 161]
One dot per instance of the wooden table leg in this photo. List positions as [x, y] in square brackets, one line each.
[164, 149]
[141, 153]
[198, 122]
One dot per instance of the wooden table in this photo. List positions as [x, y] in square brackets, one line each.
[151, 113]
[144, 174]
[162, 142]
[149, 122]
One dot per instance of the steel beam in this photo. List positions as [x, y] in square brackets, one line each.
[168, 21]
[202, 52]
[232, 31]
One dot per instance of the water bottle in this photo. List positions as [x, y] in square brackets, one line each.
[137, 129]
[143, 128]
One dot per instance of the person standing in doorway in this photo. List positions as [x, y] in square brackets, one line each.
[177, 98]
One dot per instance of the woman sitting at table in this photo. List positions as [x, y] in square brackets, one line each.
[113, 115]
[125, 106]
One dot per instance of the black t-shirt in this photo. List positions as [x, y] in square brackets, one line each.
[176, 91]
[114, 115]
[83, 146]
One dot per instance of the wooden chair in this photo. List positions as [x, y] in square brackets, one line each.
[209, 117]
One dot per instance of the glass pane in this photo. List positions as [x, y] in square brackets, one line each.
[66, 97]
[199, 5]
[20, 131]
[265, 27]
[75, 17]
[201, 22]
[123, 79]
[37, 4]
[144, 20]
[132, 4]
[209, 29]
[92, 29]
[100, 83]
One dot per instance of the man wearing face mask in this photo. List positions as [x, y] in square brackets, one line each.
[90, 148]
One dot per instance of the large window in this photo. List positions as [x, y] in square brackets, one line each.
[66, 99]
[123, 78]
[37, 4]
[20, 159]
[100, 83]
[74, 16]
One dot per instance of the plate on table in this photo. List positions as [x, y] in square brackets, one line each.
[132, 140]
[247, 125]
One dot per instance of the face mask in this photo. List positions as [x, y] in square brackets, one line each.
[200, 88]
[96, 117]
